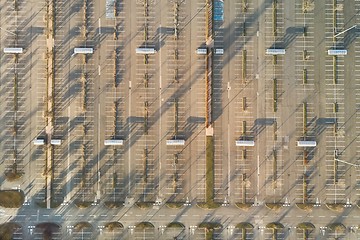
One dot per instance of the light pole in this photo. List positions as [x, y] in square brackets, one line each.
[348, 29]
[352, 164]
[8, 31]
[347, 204]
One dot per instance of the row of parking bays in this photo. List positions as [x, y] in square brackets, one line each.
[280, 51]
[147, 230]
[199, 51]
[217, 86]
[15, 83]
[175, 185]
[305, 59]
[243, 58]
[199, 88]
[120, 142]
[62, 63]
[145, 136]
[334, 93]
[178, 142]
[274, 29]
[115, 181]
[357, 95]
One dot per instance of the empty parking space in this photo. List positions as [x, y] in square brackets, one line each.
[241, 234]
[144, 234]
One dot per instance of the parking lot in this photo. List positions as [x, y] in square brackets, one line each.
[274, 84]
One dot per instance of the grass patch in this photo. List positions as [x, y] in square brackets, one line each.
[209, 205]
[82, 225]
[174, 205]
[243, 206]
[48, 229]
[7, 230]
[305, 226]
[111, 226]
[210, 225]
[209, 194]
[175, 225]
[209, 184]
[145, 225]
[82, 205]
[274, 225]
[53, 204]
[337, 227]
[209, 235]
[308, 207]
[11, 198]
[114, 205]
[245, 225]
[274, 206]
[13, 174]
[144, 205]
[336, 207]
